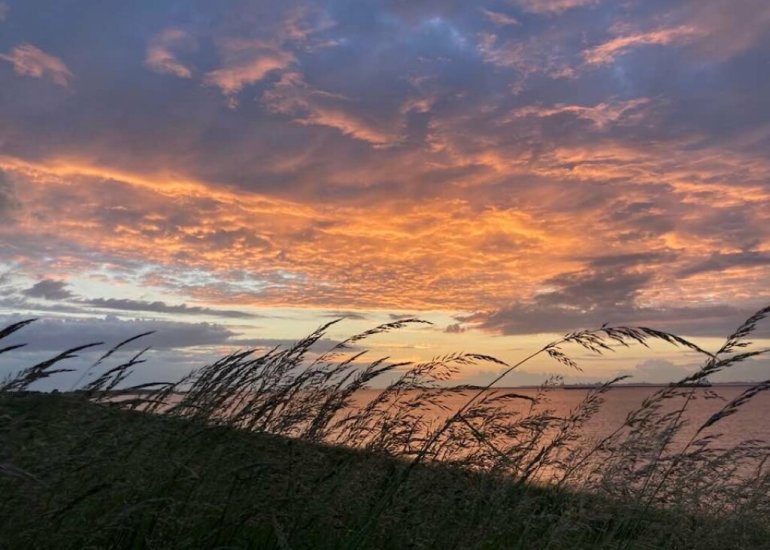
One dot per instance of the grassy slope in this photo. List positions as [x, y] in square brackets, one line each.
[123, 479]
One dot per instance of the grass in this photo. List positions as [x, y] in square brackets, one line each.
[105, 477]
[271, 451]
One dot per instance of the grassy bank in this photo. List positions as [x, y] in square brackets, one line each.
[90, 475]
[273, 450]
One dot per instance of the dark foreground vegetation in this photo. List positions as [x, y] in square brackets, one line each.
[272, 450]
[106, 477]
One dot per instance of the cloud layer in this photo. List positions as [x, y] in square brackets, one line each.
[531, 166]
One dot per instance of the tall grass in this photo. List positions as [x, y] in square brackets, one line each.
[646, 462]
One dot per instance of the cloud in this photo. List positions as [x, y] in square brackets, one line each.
[538, 54]
[245, 62]
[455, 328]
[588, 299]
[422, 162]
[8, 203]
[500, 18]
[353, 315]
[402, 316]
[161, 57]
[56, 335]
[657, 371]
[727, 28]
[553, 6]
[244, 248]
[293, 97]
[49, 289]
[663, 371]
[606, 53]
[320, 346]
[302, 25]
[601, 114]
[721, 262]
[122, 304]
[538, 318]
[631, 259]
[28, 60]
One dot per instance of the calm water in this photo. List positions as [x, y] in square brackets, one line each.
[749, 423]
[752, 421]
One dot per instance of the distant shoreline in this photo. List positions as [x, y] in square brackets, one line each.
[651, 386]
[639, 385]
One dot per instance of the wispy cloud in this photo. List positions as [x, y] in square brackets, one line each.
[539, 54]
[601, 114]
[607, 52]
[56, 334]
[292, 96]
[553, 6]
[500, 18]
[28, 60]
[245, 62]
[161, 54]
[124, 304]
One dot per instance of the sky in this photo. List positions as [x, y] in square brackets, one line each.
[237, 173]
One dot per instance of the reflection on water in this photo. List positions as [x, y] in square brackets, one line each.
[750, 422]
[541, 435]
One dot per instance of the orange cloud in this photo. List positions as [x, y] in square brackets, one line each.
[246, 62]
[429, 255]
[413, 156]
[465, 248]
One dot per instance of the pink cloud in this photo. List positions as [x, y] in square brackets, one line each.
[531, 56]
[499, 18]
[294, 97]
[160, 52]
[553, 6]
[28, 60]
[607, 52]
[601, 114]
[729, 28]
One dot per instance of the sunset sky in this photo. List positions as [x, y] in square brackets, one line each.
[236, 173]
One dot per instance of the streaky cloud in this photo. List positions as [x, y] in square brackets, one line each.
[28, 60]
[161, 52]
[124, 304]
[606, 52]
[245, 62]
[49, 289]
[553, 6]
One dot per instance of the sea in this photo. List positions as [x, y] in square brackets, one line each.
[750, 422]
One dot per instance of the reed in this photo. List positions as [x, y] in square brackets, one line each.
[502, 469]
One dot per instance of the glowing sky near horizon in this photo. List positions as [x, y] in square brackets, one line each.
[236, 173]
